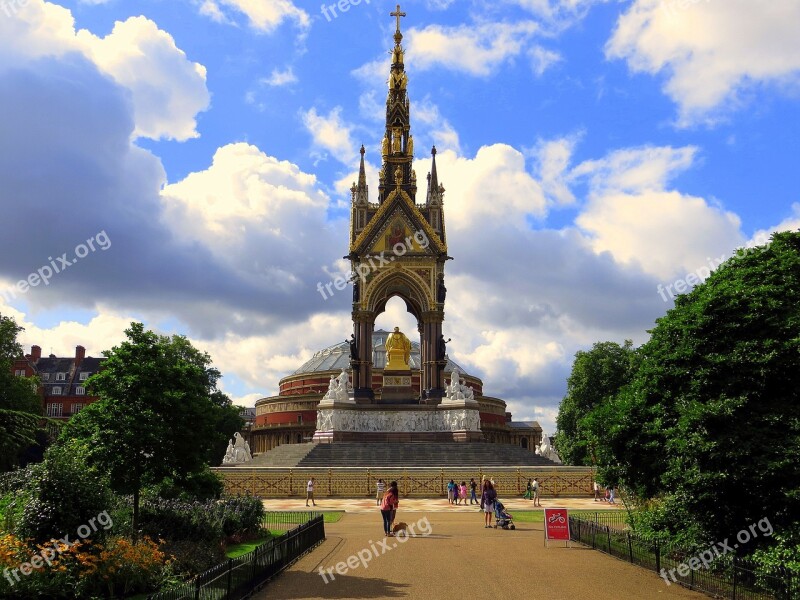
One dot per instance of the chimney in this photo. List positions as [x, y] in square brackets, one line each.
[80, 354]
[36, 353]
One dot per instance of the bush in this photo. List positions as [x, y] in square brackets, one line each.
[61, 494]
[203, 485]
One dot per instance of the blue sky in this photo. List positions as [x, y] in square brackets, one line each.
[592, 151]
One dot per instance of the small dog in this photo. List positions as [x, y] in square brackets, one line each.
[400, 527]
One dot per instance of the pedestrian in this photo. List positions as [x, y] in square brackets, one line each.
[380, 489]
[608, 493]
[472, 487]
[596, 491]
[451, 488]
[528, 495]
[535, 490]
[611, 494]
[310, 491]
[388, 506]
[488, 497]
[462, 492]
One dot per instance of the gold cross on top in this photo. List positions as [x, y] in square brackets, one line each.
[397, 14]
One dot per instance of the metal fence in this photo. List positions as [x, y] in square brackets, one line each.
[238, 577]
[285, 519]
[726, 577]
[611, 518]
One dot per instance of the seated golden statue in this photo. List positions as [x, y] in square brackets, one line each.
[398, 351]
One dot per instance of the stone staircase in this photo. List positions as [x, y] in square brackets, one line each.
[409, 454]
[286, 455]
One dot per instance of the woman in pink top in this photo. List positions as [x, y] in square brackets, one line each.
[462, 491]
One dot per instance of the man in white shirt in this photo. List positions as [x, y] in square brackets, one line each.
[310, 491]
[380, 490]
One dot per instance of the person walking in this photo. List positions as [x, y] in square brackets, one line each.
[488, 496]
[462, 492]
[596, 491]
[380, 489]
[451, 488]
[472, 487]
[611, 494]
[528, 495]
[388, 506]
[310, 491]
[535, 490]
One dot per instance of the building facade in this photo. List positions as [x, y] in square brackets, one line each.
[62, 381]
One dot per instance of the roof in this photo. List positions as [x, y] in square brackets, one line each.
[337, 357]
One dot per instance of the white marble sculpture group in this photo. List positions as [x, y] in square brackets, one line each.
[339, 388]
[238, 452]
[547, 451]
[457, 391]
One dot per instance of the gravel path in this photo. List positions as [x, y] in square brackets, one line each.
[457, 556]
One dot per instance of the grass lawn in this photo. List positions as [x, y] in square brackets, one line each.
[237, 550]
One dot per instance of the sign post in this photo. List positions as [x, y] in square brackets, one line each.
[556, 525]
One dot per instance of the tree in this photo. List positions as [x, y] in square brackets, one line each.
[20, 405]
[597, 375]
[712, 416]
[157, 413]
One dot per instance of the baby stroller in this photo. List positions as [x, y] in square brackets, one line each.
[501, 517]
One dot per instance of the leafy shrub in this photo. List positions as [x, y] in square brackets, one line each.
[61, 494]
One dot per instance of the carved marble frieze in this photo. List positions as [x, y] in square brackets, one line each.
[332, 419]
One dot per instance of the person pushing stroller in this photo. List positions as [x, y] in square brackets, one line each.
[502, 518]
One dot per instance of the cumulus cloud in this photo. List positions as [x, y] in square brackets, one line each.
[280, 78]
[474, 49]
[167, 90]
[331, 133]
[710, 52]
[633, 215]
[262, 15]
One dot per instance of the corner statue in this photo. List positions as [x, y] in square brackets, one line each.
[398, 351]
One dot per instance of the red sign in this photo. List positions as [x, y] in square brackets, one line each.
[556, 524]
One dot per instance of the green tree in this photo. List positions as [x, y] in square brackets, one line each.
[712, 416]
[157, 415]
[20, 405]
[597, 375]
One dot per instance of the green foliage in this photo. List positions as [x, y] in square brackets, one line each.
[783, 553]
[159, 412]
[597, 375]
[20, 405]
[711, 418]
[203, 485]
[61, 494]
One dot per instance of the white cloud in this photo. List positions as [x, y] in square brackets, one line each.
[542, 59]
[279, 78]
[435, 126]
[552, 158]
[263, 15]
[473, 49]
[167, 90]
[633, 215]
[331, 133]
[710, 51]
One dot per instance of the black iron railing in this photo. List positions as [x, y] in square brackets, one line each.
[237, 577]
[725, 577]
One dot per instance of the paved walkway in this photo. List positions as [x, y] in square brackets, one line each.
[365, 505]
[459, 558]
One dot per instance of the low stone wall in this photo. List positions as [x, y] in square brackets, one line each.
[277, 482]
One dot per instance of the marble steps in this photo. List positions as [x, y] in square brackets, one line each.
[419, 454]
[286, 455]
